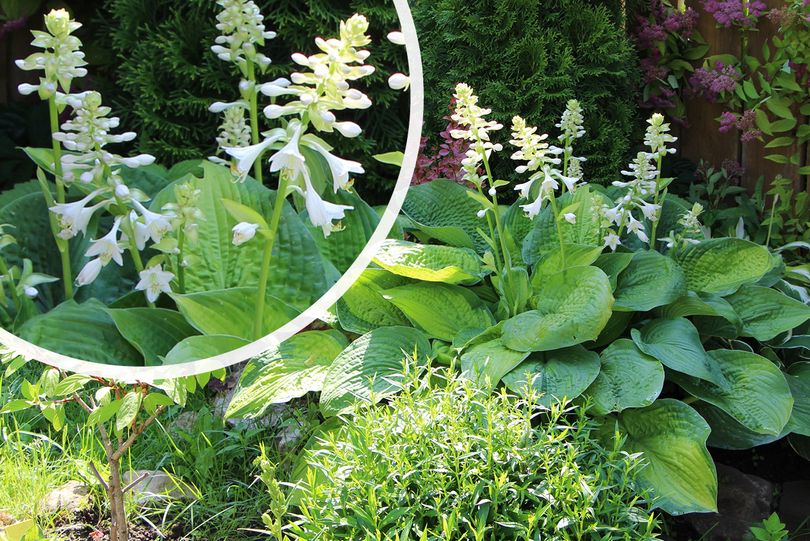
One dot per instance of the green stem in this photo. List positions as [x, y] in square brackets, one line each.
[136, 256]
[559, 229]
[181, 270]
[254, 119]
[655, 201]
[275, 220]
[770, 222]
[61, 244]
[13, 289]
[492, 230]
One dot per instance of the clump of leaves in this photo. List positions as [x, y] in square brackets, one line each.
[770, 529]
[448, 460]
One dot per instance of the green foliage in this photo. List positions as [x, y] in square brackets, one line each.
[770, 529]
[528, 57]
[168, 76]
[446, 460]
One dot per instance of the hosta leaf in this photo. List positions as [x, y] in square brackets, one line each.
[798, 378]
[344, 246]
[571, 307]
[231, 311]
[586, 231]
[613, 264]
[430, 263]
[152, 331]
[727, 433]
[557, 375]
[672, 439]
[628, 379]
[441, 310]
[758, 395]
[363, 307]
[199, 347]
[723, 265]
[649, 281]
[84, 331]
[575, 256]
[297, 366]
[298, 275]
[443, 210]
[676, 343]
[488, 362]
[767, 313]
[702, 304]
[368, 368]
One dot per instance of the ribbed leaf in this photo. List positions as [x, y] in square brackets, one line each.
[628, 379]
[571, 307]
[767, 313]
[798, 378]
[649, 281]
[430, 263]
[723, 265]
[702, 304]
[199, 347]
[613, 264]
[489, 362]
[368, 368]
[576, 255]
[557, 375]
[152, 331]
[444, 211]
[727, 433]
[363, 307]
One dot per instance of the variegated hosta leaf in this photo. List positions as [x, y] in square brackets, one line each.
[363, 308]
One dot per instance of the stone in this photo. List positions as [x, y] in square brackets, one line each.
[70, 497]
[156, 485]
[742, 500]
[185, 422]
[794, 507]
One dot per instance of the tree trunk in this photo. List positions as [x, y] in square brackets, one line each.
[119, 530]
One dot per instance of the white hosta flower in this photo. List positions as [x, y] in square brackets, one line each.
[244, 232]
[612, 241]
[534, 208]
[650, 211]
[481, 213]
[289, 157]
[635, 226]
[571, 122]
[658, 137]
[397, 38]
[399, 81]
[322, 213]
[107, 248]
[243, 29]
[89, 272]
[74, 217]
[532, 147]
[154, 281]
[247, 156]
[349, 130]
[570, 217]
[341, 169]
[30, 292]
[471, 116]
[151, 225]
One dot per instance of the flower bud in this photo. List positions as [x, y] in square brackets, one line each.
[243, 232]
[481, 213]
[122, 191]
[493, 192]
[399, 81]
[57, 21]
[30, 292]
[397, 38]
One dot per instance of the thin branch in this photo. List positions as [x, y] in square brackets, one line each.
[137, 432]
[130, 486]
[82, 403]
[99, 477]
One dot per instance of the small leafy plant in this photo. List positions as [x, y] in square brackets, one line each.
[770, 529]
[448, 460]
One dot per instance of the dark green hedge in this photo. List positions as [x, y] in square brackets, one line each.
[167, 76]
[529, 57]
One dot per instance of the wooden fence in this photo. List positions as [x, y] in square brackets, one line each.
[702, 140]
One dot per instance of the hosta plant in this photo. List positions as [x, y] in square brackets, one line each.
[118, 413]
[610, 295]
[164, 266]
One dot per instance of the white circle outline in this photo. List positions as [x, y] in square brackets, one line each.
[150, 374]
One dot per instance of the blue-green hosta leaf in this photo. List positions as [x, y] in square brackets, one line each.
[767, 313]
[798, 378]
[628, 379]
[613, 264]
[368, 368]
[723, 265]
[586, 231]
[231, 311]
[199, 347]
[444, 211]
[649, 281]
[84, 331]
[558, 375]
[430, 263]
[672, 438]
[576, 255]
[298, 274]
[152, 331]
[343, 247]
[294, 368]
[517, 222]
[572, 307]
[363, 307]
[488, 362]
[758, 395]
[702, 304]
[441, 310]
[676, 343]
[727, 433]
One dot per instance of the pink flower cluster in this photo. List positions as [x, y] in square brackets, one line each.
[445, 160]
[745, 123]
[713, 82]
[728, 13]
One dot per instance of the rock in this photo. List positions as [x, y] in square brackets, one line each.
[741, 500]
[70, 497]
[156, 485]
[794, 506]
[185, 422]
